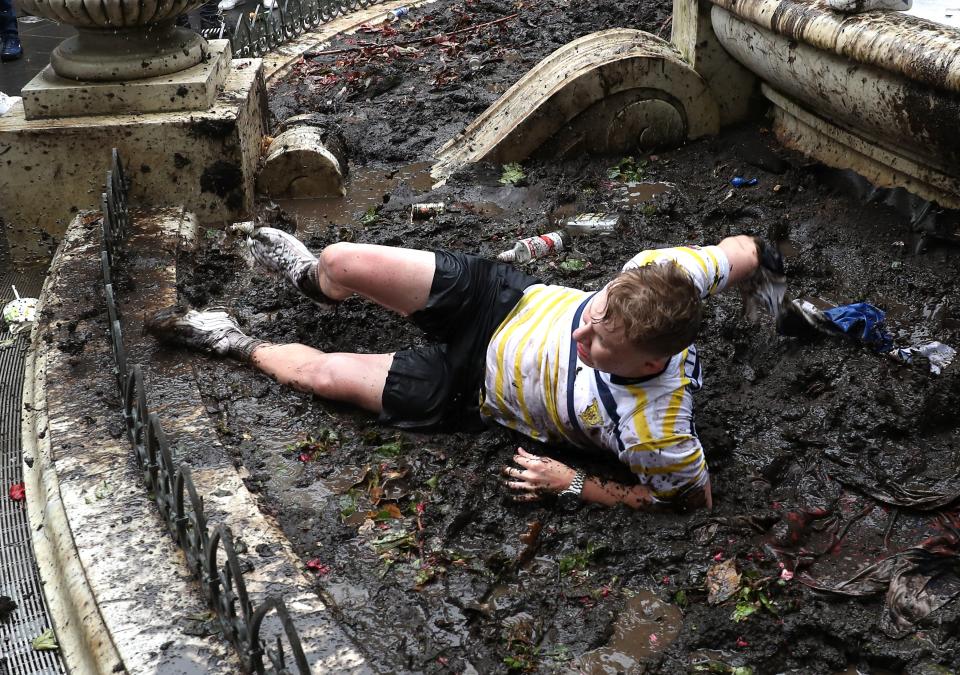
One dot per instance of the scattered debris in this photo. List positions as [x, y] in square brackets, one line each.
[740, 181]
[535, 247]
[512, 174]
[46, 641]
[18, 492]
[317, 566]
[7, 606]
[722, 582]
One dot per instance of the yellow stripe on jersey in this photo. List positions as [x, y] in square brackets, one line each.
[550, 385]
[666, 494]
[533, 324]
[676, 398]
[696, 255]
[668, 468]
[717, 277]
[499, 400]
[640, 415]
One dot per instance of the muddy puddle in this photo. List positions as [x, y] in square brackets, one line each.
[826, 459]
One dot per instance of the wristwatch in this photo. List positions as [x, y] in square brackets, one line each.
[570, 497]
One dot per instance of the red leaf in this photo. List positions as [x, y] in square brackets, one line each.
[304, 456]
[719, 556]
[18, 492]
[318, 566]
[742, 643]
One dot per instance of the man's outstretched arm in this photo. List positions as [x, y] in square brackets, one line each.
[536, 476]
[743, 254]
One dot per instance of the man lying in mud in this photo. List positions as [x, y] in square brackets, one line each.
[613, 369]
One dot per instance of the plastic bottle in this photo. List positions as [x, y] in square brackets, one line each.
[395, 14]
[535, 247]
[599, 224]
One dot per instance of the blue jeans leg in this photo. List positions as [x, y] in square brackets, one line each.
[8, 19]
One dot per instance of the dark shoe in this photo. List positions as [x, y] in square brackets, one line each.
[11, 49]
[281, 253]
[212, 332]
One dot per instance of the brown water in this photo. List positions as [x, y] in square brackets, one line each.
[367, 188]
[645, 627]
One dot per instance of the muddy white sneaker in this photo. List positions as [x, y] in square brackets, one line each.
[269, 4]
[281, 253]
[857, 6]
[225, 5]
[213, 332]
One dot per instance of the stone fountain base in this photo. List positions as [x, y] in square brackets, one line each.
[48, 95]
[204, 159]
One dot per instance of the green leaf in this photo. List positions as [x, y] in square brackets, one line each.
[46, 641]
[766, 602]
[512, 174]
[680, 598]
[369, 216]
[742, 670]
[743, 610]
[573, 265]
[433, 481]
[390, 449]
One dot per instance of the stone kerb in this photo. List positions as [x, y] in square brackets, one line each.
[119, 592]
[126, 584]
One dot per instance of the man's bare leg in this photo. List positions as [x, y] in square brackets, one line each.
[352, 378]
[396, 278]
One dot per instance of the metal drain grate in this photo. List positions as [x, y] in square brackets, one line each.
[18, 570]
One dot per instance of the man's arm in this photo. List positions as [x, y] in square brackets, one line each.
[542, 475]
[742, 252]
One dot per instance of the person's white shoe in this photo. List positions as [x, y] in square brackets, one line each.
[857, 6]
[225, 5]
[269, 4]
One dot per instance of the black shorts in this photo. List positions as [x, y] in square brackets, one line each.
[469, 298]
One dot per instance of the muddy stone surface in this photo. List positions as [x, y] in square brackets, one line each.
[413, 539]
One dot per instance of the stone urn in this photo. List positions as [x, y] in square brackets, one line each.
[121, 39]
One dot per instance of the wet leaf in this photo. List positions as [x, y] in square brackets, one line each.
[390, 449]
[388, 512]
[369, 216]
[722, 582]
[433, 482]
[317, 566]
[680, 598]
[46, 641]
[573, 265]
[512, 174]
[743, 610]
[18, 492]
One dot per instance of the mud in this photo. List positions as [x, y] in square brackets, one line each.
[423, 557]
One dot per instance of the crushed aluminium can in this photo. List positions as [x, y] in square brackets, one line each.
[425, 211]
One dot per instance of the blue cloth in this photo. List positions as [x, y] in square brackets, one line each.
[862, 321]
[8, 19]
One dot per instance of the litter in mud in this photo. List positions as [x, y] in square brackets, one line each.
[7, 607]
[17, 492]
[863, 323]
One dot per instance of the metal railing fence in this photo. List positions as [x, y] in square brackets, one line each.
[257, 34]
[210, 554]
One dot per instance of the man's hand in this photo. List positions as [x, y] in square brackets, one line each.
[764, 290]
[536, 476]
[769, 257]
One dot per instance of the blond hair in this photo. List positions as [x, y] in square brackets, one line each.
[658, 306]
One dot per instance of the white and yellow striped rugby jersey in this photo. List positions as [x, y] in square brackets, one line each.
[536, 384]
